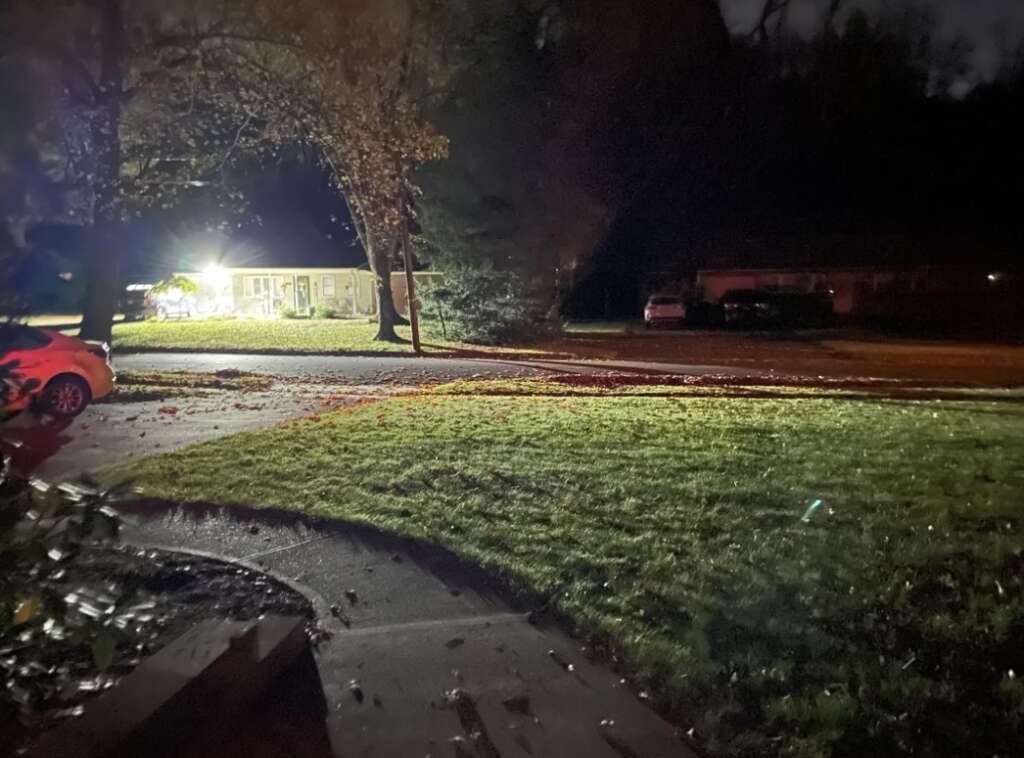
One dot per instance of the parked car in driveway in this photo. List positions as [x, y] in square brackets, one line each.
[664, 310]
[749, 308]
[766, 309]
[135, 303]
[60, 374]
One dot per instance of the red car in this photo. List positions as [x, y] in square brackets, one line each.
[60, 374]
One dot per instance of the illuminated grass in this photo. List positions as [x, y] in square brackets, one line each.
[284, 335]
[671, 525]
[241, 334]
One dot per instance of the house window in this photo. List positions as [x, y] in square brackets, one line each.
[257, 286]
[328, 286]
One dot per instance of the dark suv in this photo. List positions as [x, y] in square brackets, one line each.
[766, 309]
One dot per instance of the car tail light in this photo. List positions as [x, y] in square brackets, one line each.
[99, 349]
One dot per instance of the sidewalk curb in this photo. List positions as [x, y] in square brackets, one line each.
[316, 600]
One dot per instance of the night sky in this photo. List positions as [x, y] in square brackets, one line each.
[990, 25]
[304, 224]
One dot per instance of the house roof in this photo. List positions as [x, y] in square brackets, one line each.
[831, 251]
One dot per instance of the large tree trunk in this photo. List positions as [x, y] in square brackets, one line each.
[102, 277]
[103, 268]
[380, 257]
[396, 318]
[385, 311]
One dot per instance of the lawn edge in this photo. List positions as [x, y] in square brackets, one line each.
[440, 353]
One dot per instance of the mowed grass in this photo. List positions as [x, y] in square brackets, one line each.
[279, 335]
[304, 336]
[888, 620]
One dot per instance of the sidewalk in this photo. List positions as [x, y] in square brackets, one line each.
[428, 657]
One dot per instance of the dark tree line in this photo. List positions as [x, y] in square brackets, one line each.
[855, 132]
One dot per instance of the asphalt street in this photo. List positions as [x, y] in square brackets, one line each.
[359, 369]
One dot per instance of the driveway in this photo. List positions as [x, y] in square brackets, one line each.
[110, 433]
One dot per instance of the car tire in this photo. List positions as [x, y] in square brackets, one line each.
[65, 396]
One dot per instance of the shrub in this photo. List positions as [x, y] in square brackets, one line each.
[288, 313]
[486, 307]
[43, 529]
[324, 311]
[181, 283]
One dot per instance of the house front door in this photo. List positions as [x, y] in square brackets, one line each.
[302, 294]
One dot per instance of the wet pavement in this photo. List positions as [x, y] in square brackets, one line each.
[116, 432]
[428, 657]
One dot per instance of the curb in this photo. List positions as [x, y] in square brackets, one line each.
[316, 600]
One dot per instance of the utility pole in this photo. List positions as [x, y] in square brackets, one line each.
[410, 288]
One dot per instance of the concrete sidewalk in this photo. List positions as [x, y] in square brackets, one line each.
[428, 657]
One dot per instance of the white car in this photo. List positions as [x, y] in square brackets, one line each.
[664, 309]
[60, 374]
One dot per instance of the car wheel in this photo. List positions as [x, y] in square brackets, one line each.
[647, 325]
[65, 396]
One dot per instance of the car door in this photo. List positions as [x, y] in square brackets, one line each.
[23, 359]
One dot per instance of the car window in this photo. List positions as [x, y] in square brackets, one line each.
[665, 300]
[19, 337]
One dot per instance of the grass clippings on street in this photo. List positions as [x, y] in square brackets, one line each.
[141, 386]
[796, 573]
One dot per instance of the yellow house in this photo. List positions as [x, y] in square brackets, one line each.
[266, 292]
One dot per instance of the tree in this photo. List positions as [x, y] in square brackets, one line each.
[350, 78]
[569, 119]
[125, 123]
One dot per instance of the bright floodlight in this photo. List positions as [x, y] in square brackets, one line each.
[216, 276]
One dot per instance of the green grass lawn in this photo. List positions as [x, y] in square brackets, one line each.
[886, 622]
[285, 335]
[307, 336]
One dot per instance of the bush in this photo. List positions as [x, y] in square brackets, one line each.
[324, 311]
[181, 283]
[288, 313]
[43, 529]
[486, 307]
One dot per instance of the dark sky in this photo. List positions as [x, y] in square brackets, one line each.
[990, 25]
